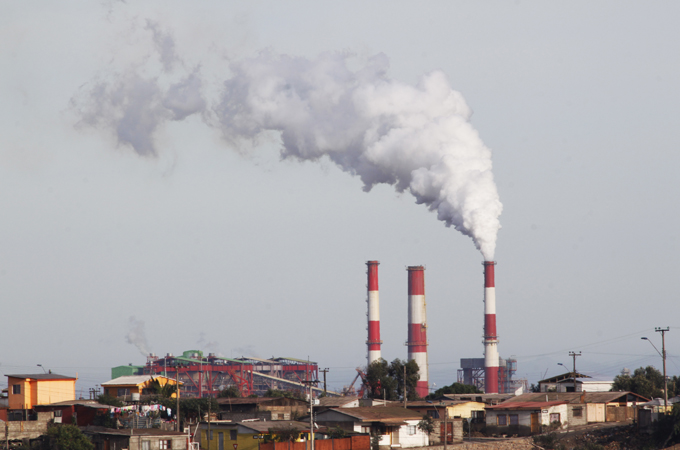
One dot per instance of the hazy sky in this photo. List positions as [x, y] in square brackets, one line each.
[227, 248]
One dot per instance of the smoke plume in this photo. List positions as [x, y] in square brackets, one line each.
[417, 138]
[137, 336]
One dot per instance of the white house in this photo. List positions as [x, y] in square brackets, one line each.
[397, 426]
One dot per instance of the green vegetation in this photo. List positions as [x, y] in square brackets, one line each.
[230, 392]
[647, 381]
[455, 388]
[286, 394]
[106, 399]
[68, 437]
[284, 434]
[426, 425]
[387, 380]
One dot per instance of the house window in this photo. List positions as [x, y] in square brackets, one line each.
[123, 391]
[514, 419]
[578, 412]
[16, 389]
[211, 435]
[366, 430]
[501, 420]
[411, 430]
[555, 417]
[232, 435]
[164, 444]
[57, 413]
[433, 413]
[146, 445]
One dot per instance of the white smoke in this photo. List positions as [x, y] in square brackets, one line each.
[137, 336]
[417, 138]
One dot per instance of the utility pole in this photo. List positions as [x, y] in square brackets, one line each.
[446, 426]
[324, 378]
[574, 355]
[663, 355]
[404, 385]
[177, 391]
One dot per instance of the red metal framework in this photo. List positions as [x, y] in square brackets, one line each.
[207, 376]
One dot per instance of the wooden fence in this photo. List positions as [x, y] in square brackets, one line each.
[350, 443]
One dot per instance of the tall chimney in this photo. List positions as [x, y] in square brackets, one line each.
[417, 325]
[490, 336]
[373, 341]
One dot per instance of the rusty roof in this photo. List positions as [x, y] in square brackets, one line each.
[257, 400]
[385, 414]
[526, 405]
[42, 376]
[564, 376]
[575, 397]
[331, 402]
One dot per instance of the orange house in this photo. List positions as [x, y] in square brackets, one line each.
[27, 390]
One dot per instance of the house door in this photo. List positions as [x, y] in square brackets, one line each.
[220, 437]
[395, 436]
[535, 428]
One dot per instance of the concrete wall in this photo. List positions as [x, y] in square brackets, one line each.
[28, 429]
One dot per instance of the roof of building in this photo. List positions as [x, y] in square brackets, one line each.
[482, 398]
[385, 414]
[564, 376]
[526, 405]
[263, 427]
[42, 376]
[256, 400]
[575, 397]
[88, 403]
[134, 380]
[437, 404]
[131, 432]
[336, 402]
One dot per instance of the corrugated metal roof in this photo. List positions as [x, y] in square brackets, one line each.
[263, 427]
[42, 376]
[386, 414]
[564, 376]
[526, 405]
[330, 402]
[256, 400]
[575, 397]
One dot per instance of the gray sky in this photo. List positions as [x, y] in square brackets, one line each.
[240, 253]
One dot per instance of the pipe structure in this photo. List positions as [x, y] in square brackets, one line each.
[417, 326]
[491, 358]
[373, 341]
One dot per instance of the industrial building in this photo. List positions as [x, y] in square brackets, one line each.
[202, 376]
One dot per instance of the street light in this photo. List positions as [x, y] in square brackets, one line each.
[41, 366]
[662, 353]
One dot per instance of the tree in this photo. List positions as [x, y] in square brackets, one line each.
[230, 392]
[68, 437]
[426, 424]
[647, 382]
[387, 380]
[286, 394]
[106, 399]
[455, 388]
[336, 433]
[396, 371]
[285, 433]
[166, 390]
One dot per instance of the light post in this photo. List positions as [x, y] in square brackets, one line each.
[662, 353]
[41, 366]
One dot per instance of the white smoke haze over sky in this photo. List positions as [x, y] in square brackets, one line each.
[190, 176]
[417, 138]
[136, 335]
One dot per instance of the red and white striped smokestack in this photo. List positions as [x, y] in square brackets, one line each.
[490, 336]
[373, 341]
[417, 325]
